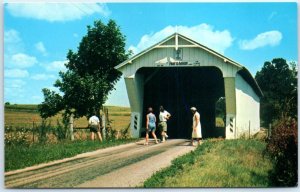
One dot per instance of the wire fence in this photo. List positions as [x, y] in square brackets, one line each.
[115, 128]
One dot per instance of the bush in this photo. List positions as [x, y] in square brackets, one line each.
[60, 131]
[13, 137]
[283, 147]
[125, 133]
[44, 128]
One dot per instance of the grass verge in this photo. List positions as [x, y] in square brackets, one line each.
[229, 163]
[18, 156]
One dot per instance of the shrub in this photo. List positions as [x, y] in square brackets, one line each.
[125, 133]
[283, 147]
[44, 128]
[60, 131]
[19, 137]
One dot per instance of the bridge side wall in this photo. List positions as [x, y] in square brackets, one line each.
[247, 108]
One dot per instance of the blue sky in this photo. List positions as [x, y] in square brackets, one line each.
[38, 36]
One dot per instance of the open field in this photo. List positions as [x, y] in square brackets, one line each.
[26, 115]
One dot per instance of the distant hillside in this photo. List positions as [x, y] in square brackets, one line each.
[34, 108]
[22, 107]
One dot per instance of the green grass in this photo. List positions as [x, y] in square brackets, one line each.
[229, 163]
[17, 157]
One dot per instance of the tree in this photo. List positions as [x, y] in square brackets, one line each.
[278, 81]
[90, 74]
[283, 148]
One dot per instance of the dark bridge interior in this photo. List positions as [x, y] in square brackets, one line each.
[179, 88]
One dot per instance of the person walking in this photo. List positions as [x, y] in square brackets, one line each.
[163, 117]
[150, 125]
[196, 134]
[94, 125]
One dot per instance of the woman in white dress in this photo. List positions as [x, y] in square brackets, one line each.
[196, 134]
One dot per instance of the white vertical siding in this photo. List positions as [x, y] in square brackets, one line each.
[190, 54]
[247, 108]
[169, 42]
[135, 89]
[183, 42]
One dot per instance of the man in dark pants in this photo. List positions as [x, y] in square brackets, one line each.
[94, 125]
[163, 117]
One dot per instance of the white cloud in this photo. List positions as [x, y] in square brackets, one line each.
[271, 38]
[203, 33]
[293, 61]
[13, 94]
[56, 66]
[21, 60]
[56, 11]
[13, 42]
[42, 76]
[55, 89]
[12, 36]
[16, 73]
[14, 90]
[41, 48]
[14, 83]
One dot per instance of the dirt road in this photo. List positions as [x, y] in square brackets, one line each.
[121, 166]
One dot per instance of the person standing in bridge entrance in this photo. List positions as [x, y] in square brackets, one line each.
[150, 125]
[196, 134]
[163, 117]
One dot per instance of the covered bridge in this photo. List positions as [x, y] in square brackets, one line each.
[179, 73]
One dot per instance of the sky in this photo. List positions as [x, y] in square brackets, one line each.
[37, 36]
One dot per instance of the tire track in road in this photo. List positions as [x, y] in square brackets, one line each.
[135, 174]
[80, 170]
[56, 169]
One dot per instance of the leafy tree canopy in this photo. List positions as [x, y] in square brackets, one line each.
[278, 81]
[90, 74]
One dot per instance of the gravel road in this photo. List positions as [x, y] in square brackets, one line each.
[121, 166]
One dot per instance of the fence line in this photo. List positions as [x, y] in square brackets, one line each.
[33, 134]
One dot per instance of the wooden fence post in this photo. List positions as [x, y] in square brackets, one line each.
[71, 127]
[107, 126]
[249, 131]
[269, 131]
[32, 131]
[103, 125]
